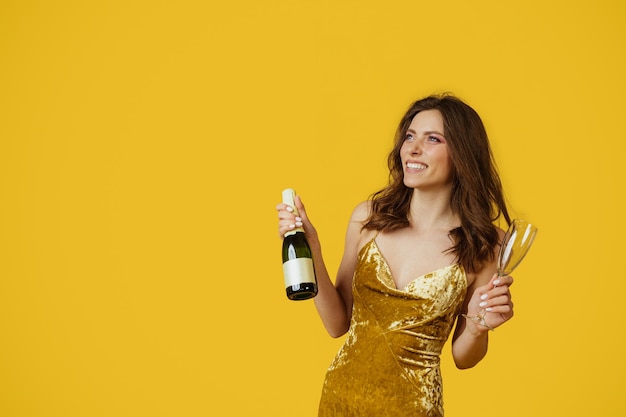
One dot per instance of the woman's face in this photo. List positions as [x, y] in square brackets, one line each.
[425, 155]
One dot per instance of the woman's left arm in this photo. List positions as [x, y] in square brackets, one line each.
[490, 292]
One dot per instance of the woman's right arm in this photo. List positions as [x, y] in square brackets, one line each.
[333, 301]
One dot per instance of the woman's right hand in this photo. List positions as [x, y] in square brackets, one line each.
[287, 220]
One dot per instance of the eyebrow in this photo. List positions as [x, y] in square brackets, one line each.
[428, 132]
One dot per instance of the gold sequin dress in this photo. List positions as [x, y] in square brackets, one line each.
[389, 363]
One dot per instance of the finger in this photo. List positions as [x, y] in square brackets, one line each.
[300, 206]
[502, 280]
[285, 212]
[304, 218]
[499, 296]
[285, 215]
[284, 207]
[496, 304]
[500, 290]
[286, 225]
[502, 309]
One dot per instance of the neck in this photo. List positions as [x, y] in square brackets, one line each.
[432, 210]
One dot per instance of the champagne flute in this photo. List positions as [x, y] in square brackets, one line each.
[515, 245]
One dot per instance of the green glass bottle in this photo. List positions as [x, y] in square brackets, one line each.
[300, 281]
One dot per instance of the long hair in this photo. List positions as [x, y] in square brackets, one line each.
[477, 196]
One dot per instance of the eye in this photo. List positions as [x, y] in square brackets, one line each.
[432, 138]
[408, 137]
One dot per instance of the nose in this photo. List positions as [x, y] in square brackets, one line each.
[416, 147]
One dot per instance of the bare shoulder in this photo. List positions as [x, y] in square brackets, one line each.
[358, 235]
[361, 212]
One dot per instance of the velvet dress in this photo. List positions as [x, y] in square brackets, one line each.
[389, 363]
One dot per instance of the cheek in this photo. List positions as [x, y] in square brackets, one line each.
[447, 161]
[402, 153]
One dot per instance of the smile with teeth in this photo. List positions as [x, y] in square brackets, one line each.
[416, 165]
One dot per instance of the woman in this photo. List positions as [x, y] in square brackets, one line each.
[418, 254]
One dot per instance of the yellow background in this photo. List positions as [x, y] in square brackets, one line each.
[144, 145]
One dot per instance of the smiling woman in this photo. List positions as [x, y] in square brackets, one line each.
[418, 254]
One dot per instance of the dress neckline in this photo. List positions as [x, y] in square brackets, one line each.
[388, 268]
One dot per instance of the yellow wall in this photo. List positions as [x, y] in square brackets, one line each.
[144, 144]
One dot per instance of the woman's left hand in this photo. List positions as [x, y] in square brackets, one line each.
[494, 300]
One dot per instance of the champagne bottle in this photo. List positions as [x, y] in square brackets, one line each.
[300, 281]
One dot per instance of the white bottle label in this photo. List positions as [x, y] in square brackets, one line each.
[298, 271]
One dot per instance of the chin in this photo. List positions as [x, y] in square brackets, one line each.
[410, 184]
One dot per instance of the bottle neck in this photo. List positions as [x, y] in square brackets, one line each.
[294, 231]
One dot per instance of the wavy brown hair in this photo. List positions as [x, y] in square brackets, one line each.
[477, 196]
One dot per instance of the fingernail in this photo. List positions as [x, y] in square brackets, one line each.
[488, 309]
[496, 282]
[484, 297]
[291, 226]
[484, 303]
[289, 209]
[298, 219]
[299, 224]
